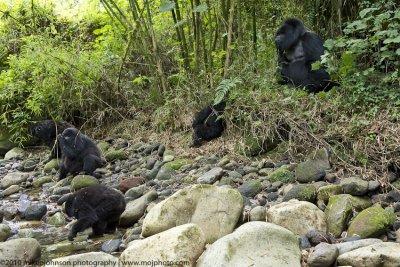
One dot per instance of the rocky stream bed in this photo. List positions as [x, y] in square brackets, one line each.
[203, 211]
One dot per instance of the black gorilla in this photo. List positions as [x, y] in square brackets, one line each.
[95, 206]
[207, 125]
[79, 153]
[297, 50]
[47, 131]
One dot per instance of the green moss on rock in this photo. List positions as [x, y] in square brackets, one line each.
[282, 175]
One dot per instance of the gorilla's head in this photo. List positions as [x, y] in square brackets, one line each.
[287, 35]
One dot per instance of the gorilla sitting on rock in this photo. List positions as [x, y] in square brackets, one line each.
[79, 153]
[207, 124]
[96, 206]
[298, 49]
[47, 131]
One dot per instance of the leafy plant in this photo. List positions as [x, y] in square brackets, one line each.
[224, 87]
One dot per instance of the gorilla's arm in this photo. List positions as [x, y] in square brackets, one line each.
[313, 47]
[86, 216]
[201, 116]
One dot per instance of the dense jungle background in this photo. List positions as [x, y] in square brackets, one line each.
[141, 69]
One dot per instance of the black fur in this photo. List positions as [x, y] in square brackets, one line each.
[95, 206]
[47, 131]
[298, 49]
[79, 153]
[206, 124]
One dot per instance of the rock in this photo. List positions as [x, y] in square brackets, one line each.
[265, 171]
[29, 165]
[254, 145]
[150, 163]
[393, 196]
[315, 237]
[254, 244]
[136, 192]
[129, 183]
[35, 212]
[85, 260]
[314, 169]
[211, 176]
[20, 250]
[325, 192]
[5, 143]
[151, 175]
[371, 222]
[81, 181]
[111, 245]
[114, 155]
[299, 217]
[183, 243]
[168, 158]
[352, 245]
[103, 146]
[323, 255]
[340, 210]
[177, 164]
[15, 153]
[373, 186]
[13, 178]
[161, 150]
[377, 255]
[135, 209]
[281, 175]
[149, 149]
[11, 190]
[62, 190]
[250, 188]
[302, 192]
[227, 181]
[42, 180]
[52, 164]
[5, 232]
[215, 209]
[165, 174]
[258, 214]
[354, 186]
[57, 219]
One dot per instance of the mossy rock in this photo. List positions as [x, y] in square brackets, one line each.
[302, 192]
[281, 175]
[325, 192]
[254, 145]
[103, 146]
[81, 181]
[116, 155]
[42, 180]
[5, 143]
[371, 222]
[177, 164]
[52, 164]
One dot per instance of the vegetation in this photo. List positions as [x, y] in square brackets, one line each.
[158, 62]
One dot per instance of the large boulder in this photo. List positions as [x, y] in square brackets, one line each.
[19, 250]
[135, 209]
[314, 168]
[85, 260]
[180, 244]
[299, 217]
[215, 209]
[254, 244]
[15, 153]
[13, 178]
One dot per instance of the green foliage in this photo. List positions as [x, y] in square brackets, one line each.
[224, 87]
[367, 59]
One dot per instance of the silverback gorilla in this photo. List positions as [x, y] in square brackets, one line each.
[298, 49]
[79, 153]
[95, 206]
[207, 125]
[47, 131]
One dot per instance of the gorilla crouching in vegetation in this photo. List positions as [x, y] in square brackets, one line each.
[298, 49]
[95, 206]
[47, 131]
[79, 153]
[207, 125]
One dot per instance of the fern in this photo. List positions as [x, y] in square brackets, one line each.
[224, 87]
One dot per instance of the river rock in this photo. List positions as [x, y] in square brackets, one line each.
[250, 188]
[299, 217]
[352, 245]
[20, 249]
[325, 192]
[110, 246]
[42, 180]
[177, 164]
[302, 192]
[35, 212]
[85, 260]
[29, 165]
[81, 181]
[215, 209]
[354, 186]
[11, 190]
[254, 244]
[340, 210]
[15, 153]
[52, 164]
[135, 209]
[314, 169]
[384, 254]
[211, 176]
[113, 155]
[57, 219]
[182, 243]
[13, 178]
[136, 192]
[165, 174]
[5, 232]
[281, 175]
[324, 255]
[371, 222]
[128, 183]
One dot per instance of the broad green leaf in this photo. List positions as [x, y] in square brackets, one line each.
[166, 6]
[366, 11]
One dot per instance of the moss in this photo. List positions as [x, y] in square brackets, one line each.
[325, 192]
[283, 175]
[177, 164]
[115, 155]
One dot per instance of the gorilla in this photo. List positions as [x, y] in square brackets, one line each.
[96, 206]
[298, 49]
[79, 153]
[47, 131]
[207, 125]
